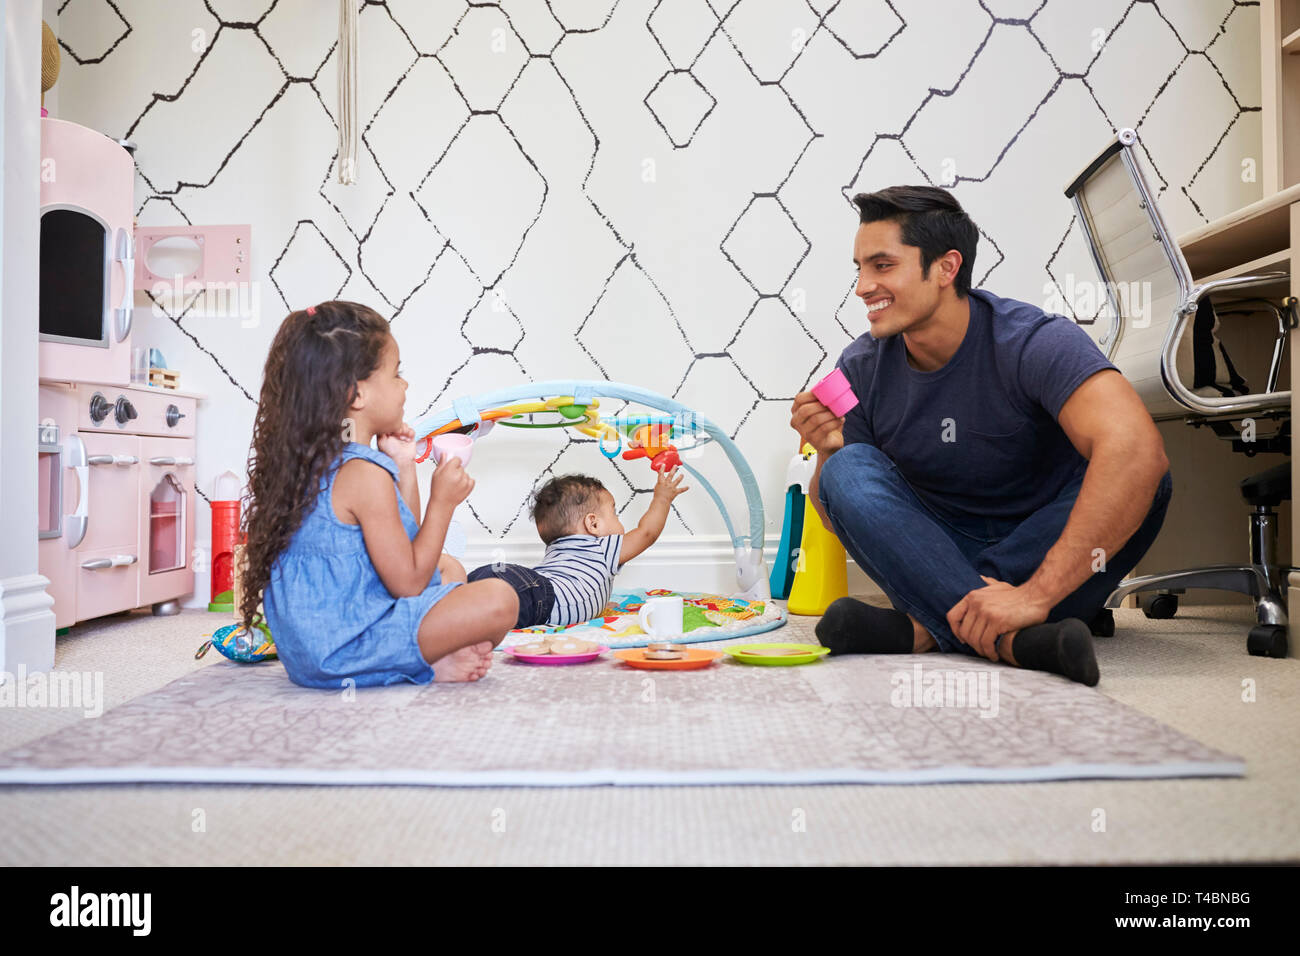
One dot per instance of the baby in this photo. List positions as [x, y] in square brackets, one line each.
[586, 546]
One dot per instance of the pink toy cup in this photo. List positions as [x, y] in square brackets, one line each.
[835, 393]
[452, 445]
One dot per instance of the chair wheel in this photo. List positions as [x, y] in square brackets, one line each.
[1159, 606]
[1103, 625]
[1267, 640]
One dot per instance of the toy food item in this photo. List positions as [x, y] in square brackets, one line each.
[571, 645]
[559, 646]
[775, 651]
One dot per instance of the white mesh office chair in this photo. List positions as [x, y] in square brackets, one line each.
[1131, 244]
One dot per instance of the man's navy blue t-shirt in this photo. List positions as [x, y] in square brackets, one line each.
[978, 436]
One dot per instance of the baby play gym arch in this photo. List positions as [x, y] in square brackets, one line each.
[576, 404]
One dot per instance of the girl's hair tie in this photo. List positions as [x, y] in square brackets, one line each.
[311, 310]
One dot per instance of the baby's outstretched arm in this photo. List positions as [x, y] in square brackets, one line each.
[667, 487]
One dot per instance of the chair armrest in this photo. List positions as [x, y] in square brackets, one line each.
[1232, 282]
[1168, 363]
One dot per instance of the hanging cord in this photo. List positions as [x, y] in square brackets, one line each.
[348, 133]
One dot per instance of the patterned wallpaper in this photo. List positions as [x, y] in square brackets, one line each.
[649, 191]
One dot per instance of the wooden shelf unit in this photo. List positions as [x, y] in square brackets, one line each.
[1279, 62]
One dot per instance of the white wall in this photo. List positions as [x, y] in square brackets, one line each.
[606, 223]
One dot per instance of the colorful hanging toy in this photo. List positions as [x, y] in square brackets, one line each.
[577, 406]
[584, 417]
[646, 437]
[651, 441]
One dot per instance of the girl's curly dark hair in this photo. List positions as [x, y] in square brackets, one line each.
[309, 382]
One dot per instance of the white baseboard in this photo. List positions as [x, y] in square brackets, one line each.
[26, 624]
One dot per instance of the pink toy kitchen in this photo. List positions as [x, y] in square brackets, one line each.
[117, 498]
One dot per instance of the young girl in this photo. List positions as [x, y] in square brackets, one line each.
[353, 586]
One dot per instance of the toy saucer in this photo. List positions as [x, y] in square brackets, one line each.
[556, 658]
[692, 659]
[777, 655]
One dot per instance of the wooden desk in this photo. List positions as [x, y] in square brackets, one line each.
[1261, 237]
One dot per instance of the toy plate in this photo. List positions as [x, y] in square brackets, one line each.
[768, 654]
[556, 658]
[695, 659]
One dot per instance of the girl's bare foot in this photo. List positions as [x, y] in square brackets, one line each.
[467, 664]
[485, 649]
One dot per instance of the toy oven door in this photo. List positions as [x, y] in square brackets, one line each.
[167, 506]
[75, 277]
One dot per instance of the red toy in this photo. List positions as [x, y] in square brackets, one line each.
[225, 535]
[651, 441]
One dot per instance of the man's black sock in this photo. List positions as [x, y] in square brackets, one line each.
[1061, 647]
[850, 626]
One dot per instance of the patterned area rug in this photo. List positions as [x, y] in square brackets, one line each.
[705, 617]
[880, 719]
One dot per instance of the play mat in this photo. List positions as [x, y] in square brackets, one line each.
[705, 617]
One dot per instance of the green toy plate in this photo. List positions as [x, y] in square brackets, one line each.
[777, 655]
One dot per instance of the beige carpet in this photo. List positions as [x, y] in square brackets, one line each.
[1187, 673]
[862, 719]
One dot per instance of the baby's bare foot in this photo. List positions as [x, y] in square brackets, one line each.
[467, 664]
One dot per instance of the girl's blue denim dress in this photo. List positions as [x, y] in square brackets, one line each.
[330, 615]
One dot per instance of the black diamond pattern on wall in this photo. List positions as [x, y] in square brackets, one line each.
[680, 104]
[96, 27]
[485, 125]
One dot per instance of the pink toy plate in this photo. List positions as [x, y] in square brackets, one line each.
[556, 658]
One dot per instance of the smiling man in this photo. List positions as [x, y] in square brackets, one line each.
[998, 476]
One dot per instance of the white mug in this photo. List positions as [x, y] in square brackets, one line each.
[661, 616]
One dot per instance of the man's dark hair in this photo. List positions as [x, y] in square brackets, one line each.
[929, 218]
[562, 502]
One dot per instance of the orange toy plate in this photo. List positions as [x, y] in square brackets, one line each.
[695, 659]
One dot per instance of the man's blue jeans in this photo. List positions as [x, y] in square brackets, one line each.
[925, 564]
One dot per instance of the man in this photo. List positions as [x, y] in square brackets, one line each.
[998, 476]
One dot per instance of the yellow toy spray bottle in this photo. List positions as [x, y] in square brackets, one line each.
[821, 566]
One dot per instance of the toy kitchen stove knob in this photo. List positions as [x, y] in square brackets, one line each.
[124, 411]
[174, 415]
[99, 408]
